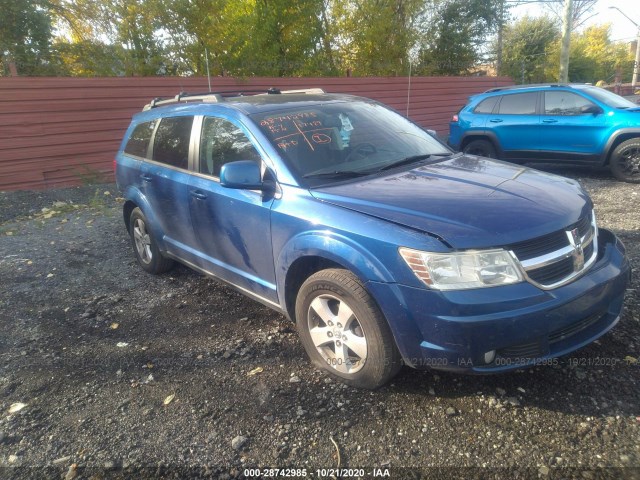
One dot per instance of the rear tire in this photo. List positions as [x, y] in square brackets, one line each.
[343, 331]
[625, 161]
[145, 247]
[482, 148]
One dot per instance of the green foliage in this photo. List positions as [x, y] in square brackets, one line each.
[451, 44]
[593, 57]
[376, 36]
[291, 38]
[532, 53]
[285, 39]
[88, 58]
[25, 34]
[527, 44]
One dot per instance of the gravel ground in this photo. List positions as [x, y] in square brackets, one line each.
[121, 374]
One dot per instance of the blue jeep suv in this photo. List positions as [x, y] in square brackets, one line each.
[383, 245]
[579, 124]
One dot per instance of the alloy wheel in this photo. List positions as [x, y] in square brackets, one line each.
[142, 241]
[337, 334]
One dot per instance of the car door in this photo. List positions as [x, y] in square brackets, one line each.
[566, 130]
[514, 124]
[167, 179]
[232, 226]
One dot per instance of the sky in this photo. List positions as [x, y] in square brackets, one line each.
[621, 28]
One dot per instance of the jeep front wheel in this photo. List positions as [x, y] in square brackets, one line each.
[343, 331]
[625, 161]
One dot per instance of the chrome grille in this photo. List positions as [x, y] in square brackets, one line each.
[548, 243]
[560, 257]
[553, 272]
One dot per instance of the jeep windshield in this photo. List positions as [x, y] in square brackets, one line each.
[333, 142]
[609, 98]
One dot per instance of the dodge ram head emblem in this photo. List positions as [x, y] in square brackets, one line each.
[578, 251]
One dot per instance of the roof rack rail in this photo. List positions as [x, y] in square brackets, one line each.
[216, 97]
[306, 91]
[516, 87]
[184, 96]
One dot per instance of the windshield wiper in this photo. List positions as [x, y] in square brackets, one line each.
[412, 159]
[337, 174]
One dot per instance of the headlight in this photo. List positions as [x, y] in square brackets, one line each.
[462, 270]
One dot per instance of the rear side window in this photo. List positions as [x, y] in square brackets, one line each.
[138, 142]
[171, 144]
[222, 142]
[486, 105]
[564, 103]
[518, 104]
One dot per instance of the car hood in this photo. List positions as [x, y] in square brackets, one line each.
[467, 201]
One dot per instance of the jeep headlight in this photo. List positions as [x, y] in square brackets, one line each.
[463, 270]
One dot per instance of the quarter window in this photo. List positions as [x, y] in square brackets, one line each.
[171, 144]
[223, 142]
[138, 142]
[486, 106]
[564, 103]
[519, 104]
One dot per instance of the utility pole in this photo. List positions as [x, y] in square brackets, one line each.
[563, 77]
[499, 46]
[636, 65]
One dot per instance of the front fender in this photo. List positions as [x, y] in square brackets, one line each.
[331, 246]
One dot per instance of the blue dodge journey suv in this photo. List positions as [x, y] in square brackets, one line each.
[382, 244]
[579, 124]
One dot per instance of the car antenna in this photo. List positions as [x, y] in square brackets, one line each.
[206, 59]
[409, 89]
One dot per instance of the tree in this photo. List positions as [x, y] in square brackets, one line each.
[375, 36]
[594, 57]
[25, 37]
[581, 12]
[527, 43]
[453, 41]
[283, 38]
[88, 58]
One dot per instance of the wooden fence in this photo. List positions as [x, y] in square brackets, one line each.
[59, 131]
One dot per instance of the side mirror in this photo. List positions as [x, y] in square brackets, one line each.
[243, 174]
[596, 110]
[433, 133]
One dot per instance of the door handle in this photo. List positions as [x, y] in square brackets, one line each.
[496, 120]
[145, 177]
[549, 120]
[199, 195]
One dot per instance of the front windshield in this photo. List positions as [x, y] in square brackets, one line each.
[337, 141]
[610, 98]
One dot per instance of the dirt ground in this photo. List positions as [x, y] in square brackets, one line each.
[106, 371]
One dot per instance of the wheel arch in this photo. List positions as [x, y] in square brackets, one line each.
[616, 139]
[136, 199]
[311, 252]
[127, 208]
[488, 136]
[298, 272]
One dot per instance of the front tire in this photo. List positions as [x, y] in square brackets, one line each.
[145, 246]
[343, 331]
[625, 161]
[482, 148]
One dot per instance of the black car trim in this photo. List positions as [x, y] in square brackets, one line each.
[604, 156]
[255, 296]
